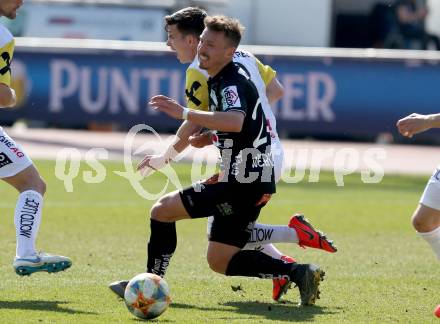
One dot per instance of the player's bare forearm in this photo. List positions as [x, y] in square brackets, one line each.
[201, 140]
[417, 123]
[435, 120]
[183, 133]
[230, 121]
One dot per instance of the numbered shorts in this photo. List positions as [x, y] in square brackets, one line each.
[431, 195]
[12, 157]
[232, 207]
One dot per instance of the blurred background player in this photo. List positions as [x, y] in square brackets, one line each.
[411, 17]
[426, 218]
[17, 169]
[184, 28]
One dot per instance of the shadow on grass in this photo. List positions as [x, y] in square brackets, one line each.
[41, 305]
[154, 320]
[287, 311]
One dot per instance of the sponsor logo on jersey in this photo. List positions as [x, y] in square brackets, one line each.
[231, 98]
[7, 59]
[190, 94]
[4, 160]
[11, 145]
[27, 217]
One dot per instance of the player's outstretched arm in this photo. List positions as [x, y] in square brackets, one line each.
[417, 123]
[200, 140]
[181, 142]
[7, 96]
[231, 121]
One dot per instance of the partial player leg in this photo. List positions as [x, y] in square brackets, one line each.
[426, 221]
[279, 285]
[163, 237]
[28, 209]
[229, 234]
[257, 264]
[426, 218]
[27, 222]
[299, 230]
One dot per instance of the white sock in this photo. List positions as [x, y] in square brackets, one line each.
[27, 220]
[262, 234]
[270, 250]
[433, 239]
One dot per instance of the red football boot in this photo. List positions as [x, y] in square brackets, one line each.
[280, 286]
[308, 236]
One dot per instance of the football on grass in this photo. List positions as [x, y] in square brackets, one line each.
[147, 295]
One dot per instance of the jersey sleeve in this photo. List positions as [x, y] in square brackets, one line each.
[196, 90]
[266, 72]
[6, 53]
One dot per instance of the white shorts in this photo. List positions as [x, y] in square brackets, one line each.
[431, 195]
[12, 157]
[278, 157]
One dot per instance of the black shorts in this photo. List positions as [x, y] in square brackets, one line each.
[233, 207]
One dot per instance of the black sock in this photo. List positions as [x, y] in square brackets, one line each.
[163, 242]
[251, 263]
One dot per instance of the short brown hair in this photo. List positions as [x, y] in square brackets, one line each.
[231, 28]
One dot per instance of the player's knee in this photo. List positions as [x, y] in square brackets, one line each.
[417, 222]
[425, 222]
[160, 210]
[216, 263]
[156, 211]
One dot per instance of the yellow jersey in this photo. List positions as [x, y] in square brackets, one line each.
[6, 52]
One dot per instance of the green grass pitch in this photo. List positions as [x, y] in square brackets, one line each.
[382, 272]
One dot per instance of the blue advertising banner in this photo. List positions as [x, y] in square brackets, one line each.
[354, 97]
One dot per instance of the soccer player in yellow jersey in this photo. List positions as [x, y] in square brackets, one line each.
[17, 169]
[184, 28]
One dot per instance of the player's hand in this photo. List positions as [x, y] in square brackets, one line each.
[167, 105]
[151, 163]
[413, 124]
[200, 140]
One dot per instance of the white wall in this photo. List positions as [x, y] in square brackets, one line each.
[283, 22]
[433, 21]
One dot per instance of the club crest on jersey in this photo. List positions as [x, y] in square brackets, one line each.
[230, 97]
